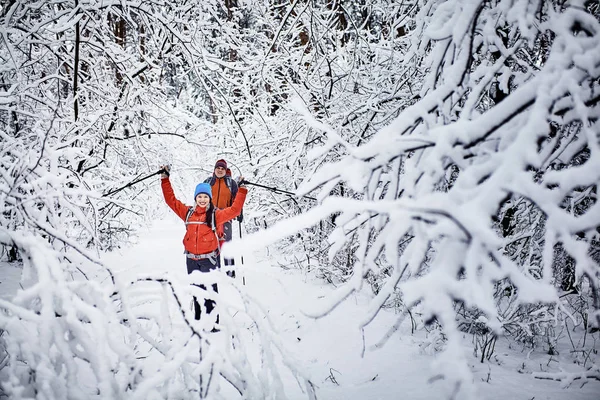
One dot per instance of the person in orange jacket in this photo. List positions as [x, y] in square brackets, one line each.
[224, 192]
[203, 223]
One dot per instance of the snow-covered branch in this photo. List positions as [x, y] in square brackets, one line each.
[479, 183]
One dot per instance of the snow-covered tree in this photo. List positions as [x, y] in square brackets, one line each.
[478, 202]
[89, 104]
[452, 146]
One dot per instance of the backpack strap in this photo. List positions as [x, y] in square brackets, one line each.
[232, 186]
[214, 223]
[214, 227]
[189, 214]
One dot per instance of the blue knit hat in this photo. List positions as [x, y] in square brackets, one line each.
[203, 188]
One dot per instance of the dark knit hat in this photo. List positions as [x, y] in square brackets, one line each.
[221, 163]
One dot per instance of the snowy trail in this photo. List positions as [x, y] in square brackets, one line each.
[328, 350]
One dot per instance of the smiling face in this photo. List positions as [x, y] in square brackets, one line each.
[220, 172]
[202, 200]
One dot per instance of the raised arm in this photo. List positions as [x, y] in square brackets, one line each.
[176, 205]
[229, 213]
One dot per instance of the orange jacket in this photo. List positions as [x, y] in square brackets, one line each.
[221, 194]
[199, 238]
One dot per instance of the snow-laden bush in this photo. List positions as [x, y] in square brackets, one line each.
[88, 100]
[478, 203]
[65, 338]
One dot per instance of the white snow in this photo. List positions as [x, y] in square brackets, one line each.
[328, 350]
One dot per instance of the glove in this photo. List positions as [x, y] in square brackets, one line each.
[165, 171]
[240, 217]
[241, 182]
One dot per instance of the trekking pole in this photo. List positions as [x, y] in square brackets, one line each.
[245, 182]
[161, 171]
[242, 256]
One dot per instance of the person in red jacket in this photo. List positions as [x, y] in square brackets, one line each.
[203, 223]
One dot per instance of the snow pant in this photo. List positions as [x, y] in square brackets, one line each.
[203, 265]
[228, 262]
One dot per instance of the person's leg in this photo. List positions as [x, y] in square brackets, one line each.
[209, 304]
[229, 262]
[229, 265]
[192, 265]
[197, 309]
[216, 289]
[207, 265]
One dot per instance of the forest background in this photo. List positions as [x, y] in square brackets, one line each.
[451, 148]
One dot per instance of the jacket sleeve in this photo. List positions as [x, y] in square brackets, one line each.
[229, 213]
[175, 205]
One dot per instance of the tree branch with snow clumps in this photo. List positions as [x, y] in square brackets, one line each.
[568, 378]
[82, 86]
[478, 194]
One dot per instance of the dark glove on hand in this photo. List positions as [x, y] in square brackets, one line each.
[165, 171]
[240, 217]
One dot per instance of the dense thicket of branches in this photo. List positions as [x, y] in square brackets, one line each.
[94, 96]
[457, 140]
[468, 169]
[477, 206]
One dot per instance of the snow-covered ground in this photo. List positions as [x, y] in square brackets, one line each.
[329, 350]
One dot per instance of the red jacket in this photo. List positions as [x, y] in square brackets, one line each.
[199, 238]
